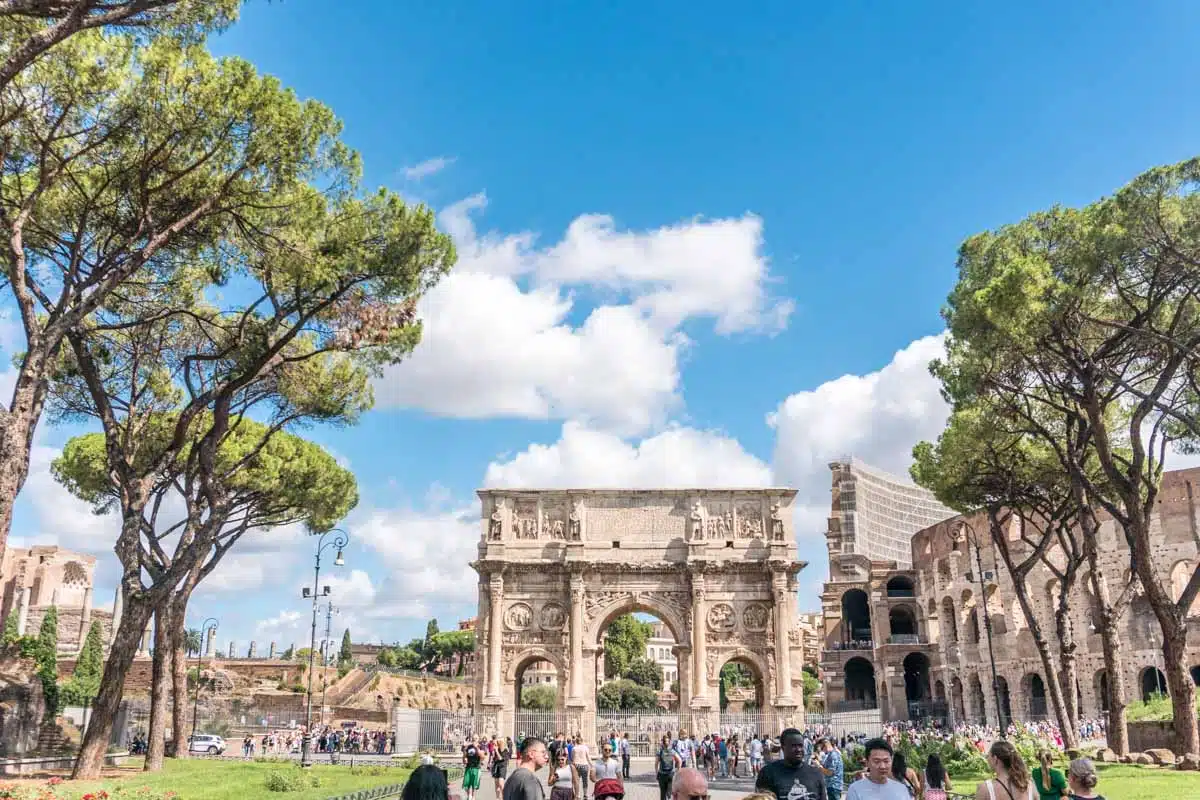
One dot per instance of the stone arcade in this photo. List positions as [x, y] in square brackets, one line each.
[557, 566]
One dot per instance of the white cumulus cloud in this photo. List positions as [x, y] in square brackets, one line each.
[427, 168]
[587, 329]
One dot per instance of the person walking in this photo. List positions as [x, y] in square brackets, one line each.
[623, 749]
[906, 775]
[1050, 783]
[1082, 780]
[606, 775]
[830, 762]
[666, 763]
[1012, 776]
[877, 783]
[564, 780]
[500, 754]
[937, 780]
[472, 758]
[581, 759]
[523, 783]
[790, 777]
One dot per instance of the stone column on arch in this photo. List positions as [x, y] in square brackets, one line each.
[23, 611]
[85, 616]
[699, 642]
[495, 636]
[575, 665]
[783, 640]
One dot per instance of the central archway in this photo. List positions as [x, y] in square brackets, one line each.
[856, 616]
[917, 693]
[860, 684]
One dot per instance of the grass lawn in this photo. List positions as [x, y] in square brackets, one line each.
[1125, 782]
[203, 779]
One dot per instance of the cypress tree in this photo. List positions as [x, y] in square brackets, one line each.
[346, 655]
[47, 658]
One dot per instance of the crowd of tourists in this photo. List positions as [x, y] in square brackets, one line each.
[798, 765]
[328, 739]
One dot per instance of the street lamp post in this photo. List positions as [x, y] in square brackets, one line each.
[339, 542]
[973, 538]
[208, 623]
[329, 612]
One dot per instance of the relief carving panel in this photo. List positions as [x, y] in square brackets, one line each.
[518, 617]
[525, 519]
[720, 519]
[721, 617]
[554, 519]
[756, 616]
[750, 520]
[553, 617]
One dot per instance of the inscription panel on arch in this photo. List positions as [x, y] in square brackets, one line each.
[636, 521]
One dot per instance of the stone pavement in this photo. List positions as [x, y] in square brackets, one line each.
[641, 785]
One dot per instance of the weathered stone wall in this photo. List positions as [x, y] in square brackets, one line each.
[952, 628]
[1145, 736]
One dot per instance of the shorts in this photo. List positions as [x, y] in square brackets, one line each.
[471, 778]
[499, 770]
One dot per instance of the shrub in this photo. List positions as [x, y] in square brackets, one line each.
[292, 780]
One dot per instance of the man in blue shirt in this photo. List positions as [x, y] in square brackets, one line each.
[832, 768]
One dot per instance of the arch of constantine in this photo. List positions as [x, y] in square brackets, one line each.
[717, 567]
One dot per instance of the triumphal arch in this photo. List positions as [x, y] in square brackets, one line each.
[718, 567]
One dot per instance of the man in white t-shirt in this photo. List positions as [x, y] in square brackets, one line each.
[756, 755]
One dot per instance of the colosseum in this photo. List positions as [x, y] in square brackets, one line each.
[905, 631]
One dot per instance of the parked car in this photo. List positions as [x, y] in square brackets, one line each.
[206, 743]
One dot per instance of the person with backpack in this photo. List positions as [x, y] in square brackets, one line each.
[666, 761]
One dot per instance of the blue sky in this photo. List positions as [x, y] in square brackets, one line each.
[781, 188]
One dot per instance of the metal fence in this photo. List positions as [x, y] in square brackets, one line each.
[645, 728]
[543, 724]
[846, 723]
[745, 724]
[432, 730]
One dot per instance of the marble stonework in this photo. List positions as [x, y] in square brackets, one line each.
[718, 567]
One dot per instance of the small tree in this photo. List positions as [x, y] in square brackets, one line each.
[645, 672]
[539, 697]
[84, 683]
[624, 641]
[47, 659]
[346, 655]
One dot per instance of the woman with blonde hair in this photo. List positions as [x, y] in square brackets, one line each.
[1082, 777]
[1049, 782]
[1012, 776]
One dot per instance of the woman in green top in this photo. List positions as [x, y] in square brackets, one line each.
[1051, 784]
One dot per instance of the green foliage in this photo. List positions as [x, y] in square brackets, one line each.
[644, 672]
[452, 646]
[10, 627]
[302, 655]
[28, 645]
[47, 659]
[811, 687]
[958, 754]
[288, 654]
[625, 695]
[624, 641]
[291, 780]
[345, 655]
[1157, 707]
[192, 641]
[84, 683]
[539, 697]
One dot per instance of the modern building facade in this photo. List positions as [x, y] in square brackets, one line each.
[912, 638]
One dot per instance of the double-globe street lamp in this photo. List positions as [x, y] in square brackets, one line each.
[972, 537]
[211, 622]
[338, 541]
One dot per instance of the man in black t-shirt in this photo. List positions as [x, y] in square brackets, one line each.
[471, 761]
[790, 778]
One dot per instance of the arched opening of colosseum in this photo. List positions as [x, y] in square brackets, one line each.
[916, 679]
[956, 699]
[1005, 702]
[1153, 682]
[539, 685]
[856, 616]
[902, 622]
[743, 688]
[901, 586]
[932, 628]
[950, 620]
[1196, 675]
[978, 704]
[995, 609]
[1034, 688]
[939, 692]
[973, 626]
[860, 683]
[1181, 573]
[1102, 690]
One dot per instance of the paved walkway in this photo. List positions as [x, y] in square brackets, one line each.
[641, 785]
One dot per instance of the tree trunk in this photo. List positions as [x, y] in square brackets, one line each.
[156, 741]
[1114, 667]
[137, 612]
[1172, 620]
[17, 425]
[1068, 646]
[1070, 734]
[179, 724]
